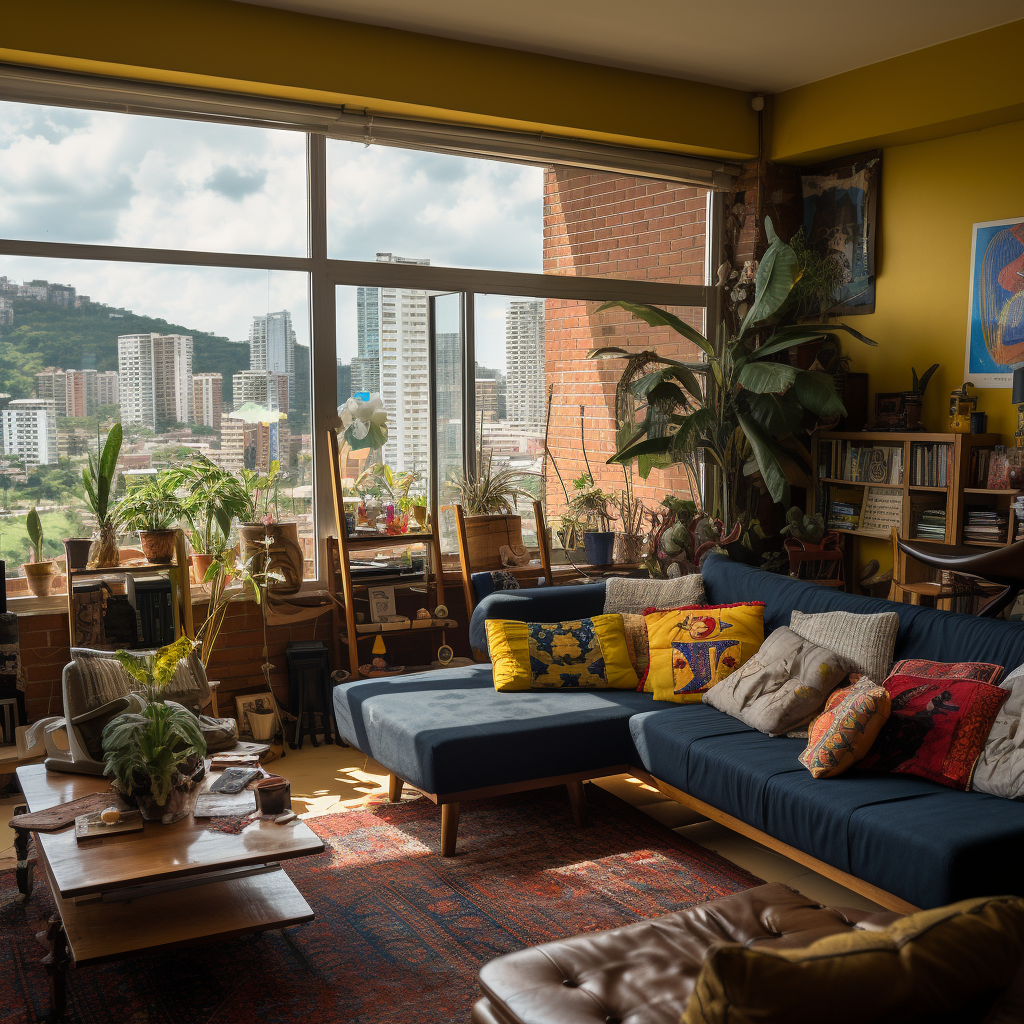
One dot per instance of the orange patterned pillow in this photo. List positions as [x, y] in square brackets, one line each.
[844, 732]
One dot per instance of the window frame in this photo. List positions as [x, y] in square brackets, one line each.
[325, 274]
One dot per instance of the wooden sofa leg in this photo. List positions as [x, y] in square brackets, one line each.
[395, 785]
[449, 829]
[578, 802]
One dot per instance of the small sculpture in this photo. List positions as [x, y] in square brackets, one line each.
[423, 613]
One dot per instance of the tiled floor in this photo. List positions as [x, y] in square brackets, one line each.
[328, 778]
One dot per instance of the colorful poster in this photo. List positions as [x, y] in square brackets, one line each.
[995, 318]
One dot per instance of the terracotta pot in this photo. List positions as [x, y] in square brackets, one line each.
[40, 577]
[158, 545]
[77, 551]
[285, 553]
[486, 534]
[200, 566]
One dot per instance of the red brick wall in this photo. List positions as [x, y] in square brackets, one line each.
[632, 228]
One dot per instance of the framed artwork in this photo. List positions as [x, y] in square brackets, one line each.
[840, 207]
[890, 410]
[382, 602]
[251, 701]
[995, 316]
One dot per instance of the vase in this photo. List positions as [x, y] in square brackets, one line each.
[285, 554]
[77, 551]
[599, 546]
[104, 551]
[158, 545]
[200, 566]
[40, 577]
[179, 803]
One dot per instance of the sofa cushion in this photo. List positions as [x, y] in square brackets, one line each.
[622, 594]
[782, 686]
[942, 966]
[645, 971]
[844, 732]
[580, 654]
[449, 731]
[866, 642]
[925, 843]
[1000, 768]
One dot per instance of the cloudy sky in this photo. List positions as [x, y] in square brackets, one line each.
[81, 176]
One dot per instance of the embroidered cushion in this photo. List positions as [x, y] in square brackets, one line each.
[976, 671]
[867, 642]
[691, 649]
[782, 686]
[936, 729]
[844, 732]
[938, 966]
[576, 654]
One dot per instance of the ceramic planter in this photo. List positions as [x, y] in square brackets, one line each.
[158, 545]
[40, 576]
[77, 551]
[200, 566]
[285, 554]
[485, 535]
[599, 547]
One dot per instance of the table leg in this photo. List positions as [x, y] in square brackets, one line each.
[57, 963]
[23, 871]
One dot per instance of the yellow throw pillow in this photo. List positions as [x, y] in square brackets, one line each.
[580, 654]
[946, 964]
[844, 732]
[691, 649]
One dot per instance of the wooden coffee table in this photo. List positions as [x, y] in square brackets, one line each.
[164, 887]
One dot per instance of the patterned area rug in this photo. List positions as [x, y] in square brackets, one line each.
[399, 932]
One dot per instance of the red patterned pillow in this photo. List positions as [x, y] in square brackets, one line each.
[975, 671]
[936, 728]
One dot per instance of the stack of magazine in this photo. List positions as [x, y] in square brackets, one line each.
[843, 516]
[985, 526]
[932, 524]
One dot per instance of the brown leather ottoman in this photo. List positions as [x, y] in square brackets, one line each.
[644, 973]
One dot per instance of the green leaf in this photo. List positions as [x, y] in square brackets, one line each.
[765, 377]
[778, 415]
[609, 353]
[767, 461]
[779, 344]
[661, 318]
[649, 446]
[777, 272]
[817, 392]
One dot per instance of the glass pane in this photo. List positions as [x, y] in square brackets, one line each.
[164, 183]
[598, 224]
[450, 211]
[449, 346]
[171, 352]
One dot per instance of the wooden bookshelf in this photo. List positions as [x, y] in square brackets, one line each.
[956, 497]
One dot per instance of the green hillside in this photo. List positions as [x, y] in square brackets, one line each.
[45, 334]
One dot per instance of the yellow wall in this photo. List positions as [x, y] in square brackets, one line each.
[962, 85]
[246, 48]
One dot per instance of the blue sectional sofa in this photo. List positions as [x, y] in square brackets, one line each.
[902, 841]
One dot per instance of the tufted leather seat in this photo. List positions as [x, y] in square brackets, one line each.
[644, 973]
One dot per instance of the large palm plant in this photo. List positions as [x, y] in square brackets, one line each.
[738, 404]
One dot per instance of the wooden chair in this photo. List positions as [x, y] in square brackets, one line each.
[817, 563]
[955, 593]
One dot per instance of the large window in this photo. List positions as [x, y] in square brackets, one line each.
[220, 288]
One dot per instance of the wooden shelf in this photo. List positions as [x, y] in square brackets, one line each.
[985, 543]
[923, 487]
[111, 570]
[360, 543]
[997, 491]
[370, 634]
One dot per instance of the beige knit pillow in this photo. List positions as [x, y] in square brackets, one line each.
[867, 642]
[628, 595]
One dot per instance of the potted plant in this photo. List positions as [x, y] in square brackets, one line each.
[39, 571]
[590, 507]
[98, 478]
[213, 497]
[629, 541]
[488, 497]
[156, 755]
[913, 400]
[391, 491]
[273, 544]
[152, 511]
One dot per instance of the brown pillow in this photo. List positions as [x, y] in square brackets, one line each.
[943, 966]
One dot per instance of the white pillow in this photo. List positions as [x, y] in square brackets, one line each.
[867, 642]
[1000, 768]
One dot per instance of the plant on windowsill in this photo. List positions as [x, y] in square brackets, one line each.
[488, 497]
[381, 488]
[629, 542]
[98, 480]
[152, 510]
[156, 754]
[272, 545]
[39, 571]
[591, 514]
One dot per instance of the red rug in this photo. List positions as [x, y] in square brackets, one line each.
[399, 932]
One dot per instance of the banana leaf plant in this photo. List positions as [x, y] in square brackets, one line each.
[737, 407]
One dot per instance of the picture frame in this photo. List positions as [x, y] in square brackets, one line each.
[382, 603]
[251, 701]
[995, 342]
[890, 410]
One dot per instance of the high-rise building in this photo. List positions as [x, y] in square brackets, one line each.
[107, 389]
[155, 378]
[524, 361]
[265, 388]
[400, 317]
[207, 400]
[344, 382]
[30, 431]
[77, 392]
[6, 312]
[486, 400]
[366, 364]
[272, 347]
